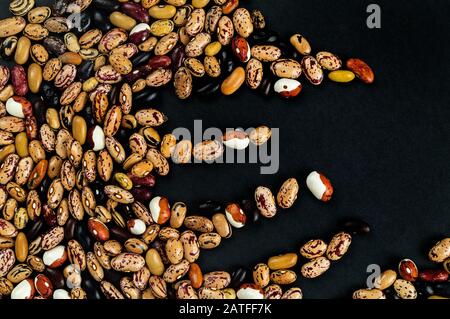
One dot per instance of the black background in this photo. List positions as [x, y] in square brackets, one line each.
[385, 147]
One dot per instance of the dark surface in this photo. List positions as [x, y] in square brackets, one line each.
[384, 147]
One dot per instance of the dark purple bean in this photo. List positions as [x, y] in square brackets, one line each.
[56, 277]
[177, 56]
[135, 11]
[140, 72]
[119, 233]
[424, 289]
[69, 229]
[39, 108]
[142, 194]
[88, 114]
[250, 210]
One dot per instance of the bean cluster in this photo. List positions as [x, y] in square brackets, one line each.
[80, 149]
[408, 282]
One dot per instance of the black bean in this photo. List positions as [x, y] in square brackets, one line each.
[208, 88]
[97, 188]
[143, 98]
[442, 289]
[355, 226]
[50, 94]
[85, 70]
[424, 289]
[100, 20]
[112, 276]
[91, 287]
[106, 5]
[140, 58]
[171, 294]
[209, 207]
[35, 230]
[263, 37]
[113, 95]
[266, 86]
[83, 236]
[238, 277]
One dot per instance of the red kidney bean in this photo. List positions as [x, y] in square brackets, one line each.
[433, 275]
[241, 48]
[135, 11]
[31, 126]
[19, 80]
[159, 61]
[148, 180]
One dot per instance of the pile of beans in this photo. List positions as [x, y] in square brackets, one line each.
[269, 277]
[408, 282]
[80, 150]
